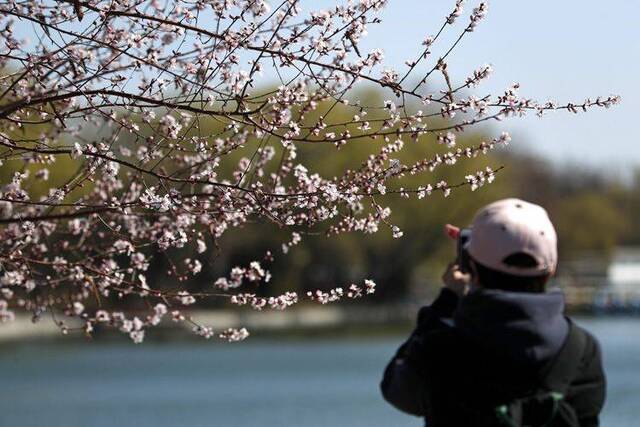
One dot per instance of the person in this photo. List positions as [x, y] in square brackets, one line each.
[495, 348]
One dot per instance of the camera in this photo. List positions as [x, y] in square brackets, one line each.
[463, 255]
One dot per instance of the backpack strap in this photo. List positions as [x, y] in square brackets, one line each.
[559, 374]
[556, 379]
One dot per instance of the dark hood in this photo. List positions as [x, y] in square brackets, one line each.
[527, 328]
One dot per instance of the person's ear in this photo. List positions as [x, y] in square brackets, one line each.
[452, 231]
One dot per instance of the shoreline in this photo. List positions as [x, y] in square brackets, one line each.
[295, 323]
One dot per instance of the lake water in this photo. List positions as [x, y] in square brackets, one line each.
[308, 383]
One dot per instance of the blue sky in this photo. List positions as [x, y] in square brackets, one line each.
[562, 50]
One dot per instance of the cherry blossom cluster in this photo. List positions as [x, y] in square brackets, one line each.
[289, 299]
[280, 302]
[234, 334]
[140, 133]
[480, 178]
[229, 334]
[253, 274]
[336, 294]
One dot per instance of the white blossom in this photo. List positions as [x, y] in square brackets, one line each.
[234, 335]
[76, 151]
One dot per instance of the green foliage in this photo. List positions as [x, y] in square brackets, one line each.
[589, 222]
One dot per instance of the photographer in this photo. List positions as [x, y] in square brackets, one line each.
[495, 348]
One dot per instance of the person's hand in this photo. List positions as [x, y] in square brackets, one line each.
[456, 280]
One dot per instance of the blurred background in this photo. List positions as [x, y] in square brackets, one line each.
[320, 366]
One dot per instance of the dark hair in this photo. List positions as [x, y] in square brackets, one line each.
[489, 278]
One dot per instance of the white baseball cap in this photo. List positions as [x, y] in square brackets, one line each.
[513, 226]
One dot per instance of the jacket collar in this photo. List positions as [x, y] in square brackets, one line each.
[524, 327]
